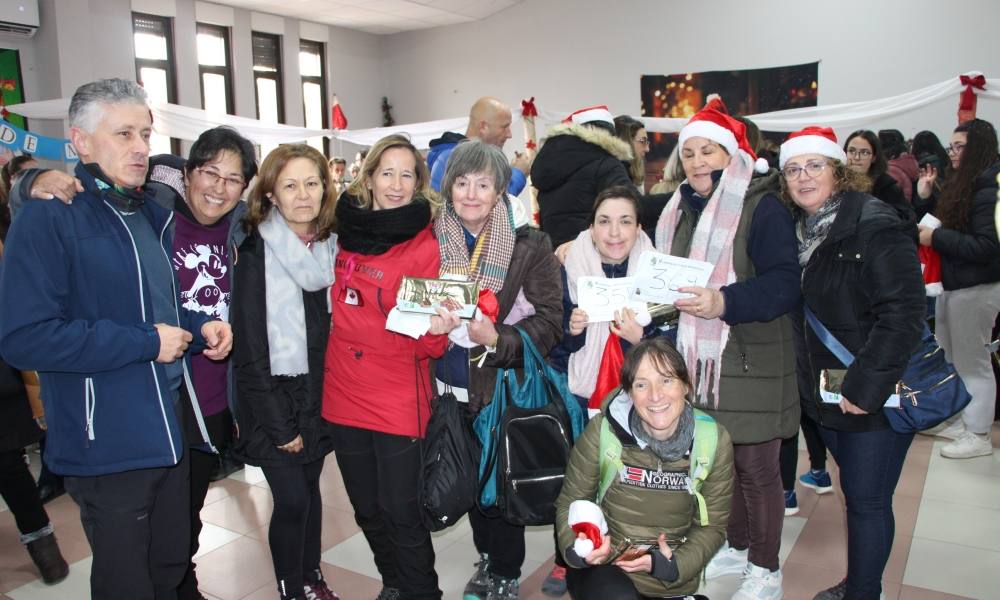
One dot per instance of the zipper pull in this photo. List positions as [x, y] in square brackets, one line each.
[746, 365]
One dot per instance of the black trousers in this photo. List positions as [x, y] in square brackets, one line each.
[381, 473]
[296, 523]
[502, 541]
[605, 582]
[137, 523]
[19, 491]
[220, 427]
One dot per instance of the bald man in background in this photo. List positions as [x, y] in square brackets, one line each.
[489, 121]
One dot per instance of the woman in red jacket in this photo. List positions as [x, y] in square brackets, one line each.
[377, 389]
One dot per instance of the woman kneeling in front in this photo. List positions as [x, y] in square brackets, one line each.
[634, 462]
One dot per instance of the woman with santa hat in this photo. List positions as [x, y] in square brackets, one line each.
[735, 333]
[861, 280]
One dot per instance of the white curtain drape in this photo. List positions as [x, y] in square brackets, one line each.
[188, 123]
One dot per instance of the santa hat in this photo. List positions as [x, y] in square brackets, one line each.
[590, 114]
[713, 122]
[587, 518]
[811, 140]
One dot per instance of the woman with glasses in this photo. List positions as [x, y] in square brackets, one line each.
[735, 334]
[633, 132]
[862, 280]
[865, 156]
[281, 321]
[970, 273]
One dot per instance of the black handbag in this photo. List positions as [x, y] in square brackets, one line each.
[449, 483]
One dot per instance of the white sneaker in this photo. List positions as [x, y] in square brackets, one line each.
[969, 445]
[759, 584]
[727, 561]
[949, 430]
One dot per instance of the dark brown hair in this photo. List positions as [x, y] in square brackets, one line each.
[259, 203]
[879, 164]
[617, 192]
[979, 154]
[665, 357]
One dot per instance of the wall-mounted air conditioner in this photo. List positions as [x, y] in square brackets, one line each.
[18, 18]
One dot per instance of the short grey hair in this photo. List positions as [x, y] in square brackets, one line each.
[86, 109]
[475, 156]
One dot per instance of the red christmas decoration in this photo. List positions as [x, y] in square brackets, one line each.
[967, 100]
[338, 120]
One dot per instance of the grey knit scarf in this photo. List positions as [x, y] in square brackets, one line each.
[812, 229]
[289, 268]
[673, 448]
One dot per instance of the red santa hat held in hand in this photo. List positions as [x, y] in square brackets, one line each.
[714, 123]
[587, 518]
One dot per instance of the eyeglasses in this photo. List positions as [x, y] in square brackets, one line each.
[859, 152]
[955, 148]
[643, 140]
[812, 169]
[212, 178]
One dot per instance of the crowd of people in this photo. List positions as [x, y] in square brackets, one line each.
[171, 321]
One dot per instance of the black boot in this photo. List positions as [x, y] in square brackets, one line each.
[45, 554]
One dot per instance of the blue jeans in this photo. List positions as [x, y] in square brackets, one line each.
[870, 464]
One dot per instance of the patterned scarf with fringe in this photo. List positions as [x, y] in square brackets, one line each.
[702, 341]
[490, 256]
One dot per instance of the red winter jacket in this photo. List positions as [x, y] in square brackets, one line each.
[372, 373]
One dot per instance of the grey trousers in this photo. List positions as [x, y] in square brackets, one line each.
[963, 324]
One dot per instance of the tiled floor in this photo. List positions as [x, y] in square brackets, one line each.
[947, 540]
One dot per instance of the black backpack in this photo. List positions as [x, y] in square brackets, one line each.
[534, 449]
[449, 483]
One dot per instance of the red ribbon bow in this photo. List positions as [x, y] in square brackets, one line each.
[528, 108]
[489, 305]
[967, 101]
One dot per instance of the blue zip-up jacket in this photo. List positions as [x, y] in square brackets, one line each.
[437, 162]
[75, 306]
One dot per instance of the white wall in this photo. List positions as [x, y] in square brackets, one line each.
[82, 40]
[574, 53]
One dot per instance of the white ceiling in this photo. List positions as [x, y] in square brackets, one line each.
[379, 16]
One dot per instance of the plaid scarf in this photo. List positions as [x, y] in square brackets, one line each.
[490, 257]
[702, 341]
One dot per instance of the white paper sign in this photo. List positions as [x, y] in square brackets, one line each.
[600, 297]
[659, 276]
[930, 220]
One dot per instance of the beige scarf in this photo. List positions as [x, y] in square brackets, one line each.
[583, 260]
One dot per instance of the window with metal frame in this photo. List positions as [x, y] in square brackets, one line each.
[154, 69]
[214, 68]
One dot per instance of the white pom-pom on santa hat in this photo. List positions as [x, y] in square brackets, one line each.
[587, 518]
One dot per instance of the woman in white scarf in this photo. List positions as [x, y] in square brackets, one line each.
[281, 315]
[610, 247]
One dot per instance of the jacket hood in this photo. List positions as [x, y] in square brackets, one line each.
[570, 147]
[441, 145]
[598, 137]
[616, 412]
[906, 163]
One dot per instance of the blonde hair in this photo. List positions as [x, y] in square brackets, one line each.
[259, 204]
[359, 188]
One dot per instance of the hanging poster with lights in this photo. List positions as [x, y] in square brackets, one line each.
[745, 92]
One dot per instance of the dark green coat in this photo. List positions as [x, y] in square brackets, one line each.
[759, 399]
